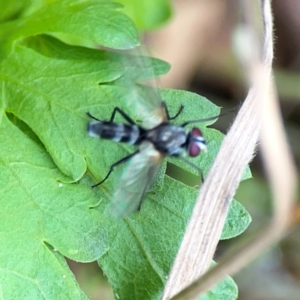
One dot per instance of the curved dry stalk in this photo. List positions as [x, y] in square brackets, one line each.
[259, 114]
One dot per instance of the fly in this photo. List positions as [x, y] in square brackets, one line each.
[154, 143]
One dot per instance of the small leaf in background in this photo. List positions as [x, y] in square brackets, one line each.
[147, 14]
[226, 289]
[237, 221]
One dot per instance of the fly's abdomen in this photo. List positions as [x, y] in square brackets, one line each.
[117, 132]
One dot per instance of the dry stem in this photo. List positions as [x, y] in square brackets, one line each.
[258, 115]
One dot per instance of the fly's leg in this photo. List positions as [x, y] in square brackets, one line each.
[119, 162]
[123, 114]
[120, 111]
[141, 200]
[164, 105]
[209, 119]
[93, 117]
[124, 159]
[193, 166]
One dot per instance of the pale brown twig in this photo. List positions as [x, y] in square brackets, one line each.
[258, 113]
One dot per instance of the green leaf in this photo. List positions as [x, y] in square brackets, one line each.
[16, 9]
[10, 9]
[46, 89]
[106, 26]
[41, 214]
[147, 14]
[142, 248]
[237, 221]
[224, 290]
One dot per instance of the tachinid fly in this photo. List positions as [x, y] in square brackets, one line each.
[154, 143]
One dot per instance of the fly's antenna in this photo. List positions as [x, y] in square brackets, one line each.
[210, 118]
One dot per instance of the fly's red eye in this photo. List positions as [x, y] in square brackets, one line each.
[196, 142]
[196, 132]
[194, 149]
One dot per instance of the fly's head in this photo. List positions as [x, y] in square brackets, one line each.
[195, 142]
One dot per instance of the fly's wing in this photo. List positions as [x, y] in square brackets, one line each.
[144, 99]
[149, 107]
[136, 180]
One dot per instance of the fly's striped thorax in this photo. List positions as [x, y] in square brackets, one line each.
[117, 132]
